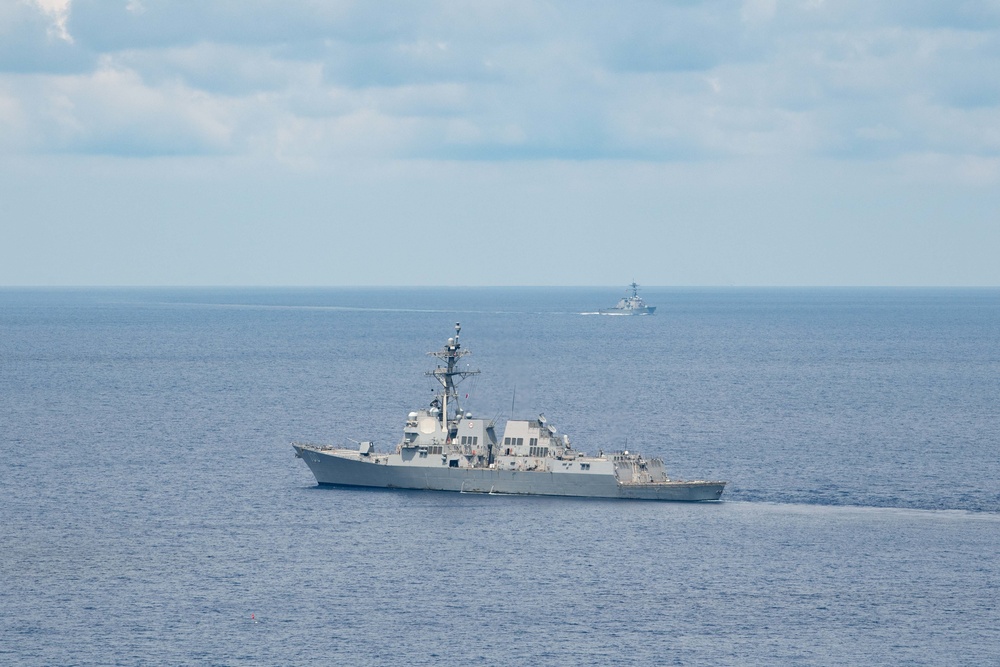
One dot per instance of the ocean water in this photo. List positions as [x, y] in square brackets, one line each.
[152, 511]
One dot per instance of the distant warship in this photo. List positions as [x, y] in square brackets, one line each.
[444, 448]
[630, 305]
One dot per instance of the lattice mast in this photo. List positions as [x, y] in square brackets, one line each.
[450, 376]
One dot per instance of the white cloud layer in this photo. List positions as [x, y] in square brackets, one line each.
[564, 141]
[658, 81]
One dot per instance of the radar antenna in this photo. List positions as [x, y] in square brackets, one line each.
[448, 375]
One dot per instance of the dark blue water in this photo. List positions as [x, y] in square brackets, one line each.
[152, 512]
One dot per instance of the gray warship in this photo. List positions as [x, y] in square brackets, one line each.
[445, 448]
[630, 305]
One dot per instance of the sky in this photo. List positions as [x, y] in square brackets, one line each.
[488, 142]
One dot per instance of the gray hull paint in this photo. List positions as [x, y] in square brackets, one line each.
[646, 310]
[338, 470]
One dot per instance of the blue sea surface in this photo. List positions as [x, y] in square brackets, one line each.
[152, 511]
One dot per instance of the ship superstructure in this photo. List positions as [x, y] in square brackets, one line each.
[630, 304]
[447, 449]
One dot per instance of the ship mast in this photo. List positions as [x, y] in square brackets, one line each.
[448, 375]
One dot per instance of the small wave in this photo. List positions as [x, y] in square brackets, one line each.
[988, 511]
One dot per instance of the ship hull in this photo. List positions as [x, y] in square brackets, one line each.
[337, 470]
[646, 310]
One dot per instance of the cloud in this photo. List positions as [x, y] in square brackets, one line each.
[111, 111]
[34, 39]
[214, 68]
[263, 23]
[491, 80]
[57, 12]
